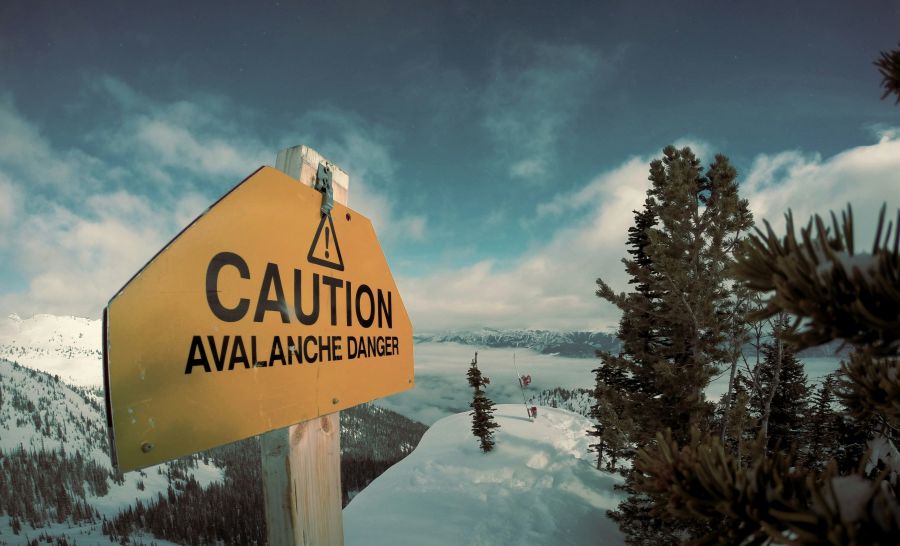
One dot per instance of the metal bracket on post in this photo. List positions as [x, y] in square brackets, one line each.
[323, 184]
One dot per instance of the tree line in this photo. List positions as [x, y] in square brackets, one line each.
[702, 289]
[775, 460]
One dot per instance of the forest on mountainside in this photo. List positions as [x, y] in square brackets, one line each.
[54, 468]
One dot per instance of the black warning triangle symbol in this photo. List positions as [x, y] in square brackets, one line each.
[324, 249]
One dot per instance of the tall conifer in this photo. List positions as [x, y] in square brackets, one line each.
[671, 326]
[820, 428]
[482, 408]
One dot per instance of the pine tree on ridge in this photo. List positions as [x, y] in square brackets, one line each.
[482, 408]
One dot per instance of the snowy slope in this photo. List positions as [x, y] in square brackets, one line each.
[538, 486]
[39, 411]
[65, 346]
[41, 414]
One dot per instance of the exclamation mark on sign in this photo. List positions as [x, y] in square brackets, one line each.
[327, 239]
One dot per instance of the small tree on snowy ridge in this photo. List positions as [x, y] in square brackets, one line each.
[482, 408]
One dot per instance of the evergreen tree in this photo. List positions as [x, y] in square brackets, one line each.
[623, 382]
[671, 327]
[889, 66]
[628, 380]
[833, 293]
[612, 424]
[821, 427]
[788, 407]
[733, 416]
[482, 408]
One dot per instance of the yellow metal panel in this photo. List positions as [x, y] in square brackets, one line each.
[171, 328]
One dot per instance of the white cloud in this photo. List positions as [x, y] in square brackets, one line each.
[25, 155]
[75, 261]
[10, 203]
[162, 141]
[552, 285]
[863, 176]
[76, 227]
[188, 207]
[74, 253]
[527, 104]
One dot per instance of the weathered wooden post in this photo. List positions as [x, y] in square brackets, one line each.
[301, 464]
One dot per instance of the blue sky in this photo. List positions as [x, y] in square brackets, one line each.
[499, 148]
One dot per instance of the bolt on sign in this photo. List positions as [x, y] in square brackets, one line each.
[261, 314]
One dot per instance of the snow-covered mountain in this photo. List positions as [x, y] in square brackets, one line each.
[571, 344]
[538, 486]
[56, 479]
[56, 475]
[69, 347]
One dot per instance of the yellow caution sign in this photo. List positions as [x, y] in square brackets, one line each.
[262, 313]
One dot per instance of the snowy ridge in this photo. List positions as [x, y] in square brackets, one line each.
[539, 486]
[69, 347]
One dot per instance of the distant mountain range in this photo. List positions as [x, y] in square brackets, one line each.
[576, 344]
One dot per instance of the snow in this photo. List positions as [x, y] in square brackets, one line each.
[69, 347]
[538, 486]
[852, 493]
[882, 450]
[80, 420]
[83, 535]
[128, 493]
